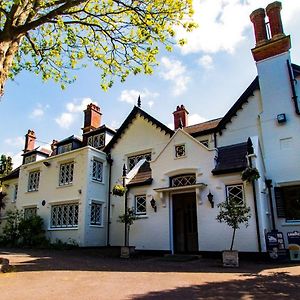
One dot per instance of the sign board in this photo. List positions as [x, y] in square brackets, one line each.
[275, 244]
[294, 244]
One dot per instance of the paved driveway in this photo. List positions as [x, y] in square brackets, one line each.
[90, 274]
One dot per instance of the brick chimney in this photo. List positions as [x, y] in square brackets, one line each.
[180, 117]
[29, 141]
[278, 43]
[92, 118]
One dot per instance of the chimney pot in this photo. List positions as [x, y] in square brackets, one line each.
[257, 17]
[180, 117]
[273, 13]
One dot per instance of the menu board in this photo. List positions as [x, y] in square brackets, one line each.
[294, 244]
[275, 244]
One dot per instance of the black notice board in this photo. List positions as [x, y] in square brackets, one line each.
[275, 244]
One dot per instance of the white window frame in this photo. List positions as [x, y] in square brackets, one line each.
[97, 173]
[64, 148]
[238, 197]
[30, 211]
[138, 198]
[134, 159]
[66, 178]
[183, 180]
[29, 159]
[15, 195]
[33, 181]
[94, 140]
[59, 211]
[97, 220]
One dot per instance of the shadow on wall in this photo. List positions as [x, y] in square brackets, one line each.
[275, 286]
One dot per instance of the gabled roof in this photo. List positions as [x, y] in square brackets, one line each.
[133, 114]
[38, 150]
[69, 139]
[143, 176]
[231, 159]
[13, 174]
[100, 129]
[202, 128]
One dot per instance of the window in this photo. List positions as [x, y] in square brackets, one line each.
[133, 160]
[180, 151]
[30, 158]
[96, 214]
[15, 193]
[33, 181]
[64, 148]
[140, 205]
[288, 202]
[66, 173]
[97, 170]
[183, 180]
[64, 216]
[97, 140]
[29, 212]
[235, 192]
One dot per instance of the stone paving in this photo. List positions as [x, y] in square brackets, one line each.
[94, 274]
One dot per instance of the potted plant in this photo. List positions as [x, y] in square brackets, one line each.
[250, 174]
[234, 214]
[128, 219]
[118, 190]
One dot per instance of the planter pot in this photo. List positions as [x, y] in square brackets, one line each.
[230, 258]
[126, 251]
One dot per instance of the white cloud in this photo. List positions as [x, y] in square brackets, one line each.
[222, 23]
[18, 141]
[131, 96]
[175, 71]
[39, 111]
[195, 119]
[115, 124]
[73, 109]
[206, 62]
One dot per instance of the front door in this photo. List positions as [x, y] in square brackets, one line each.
[185, 234]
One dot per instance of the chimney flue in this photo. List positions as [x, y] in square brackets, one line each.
[258, 19]
[180, 117]
[92, 118]
[273, 13]
[29, 141]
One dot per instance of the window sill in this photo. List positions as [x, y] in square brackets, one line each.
[97, 226]
[97, 181]
[31, 191]
[63, 228]
[65, 185]
[291, 223]
[142, 216]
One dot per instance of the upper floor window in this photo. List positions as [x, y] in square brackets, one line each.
[97, 170]
[64, 215]
[64, 148]
[66, 173]
[33, 181]
[140, 205]
[180, 151]
[133, 160]
[97, 140]
[236, 193]
[29, 212]
[30, 158]
[96, 214]
[183, 180]
[15, 193]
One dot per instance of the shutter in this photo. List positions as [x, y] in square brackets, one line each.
[280, 203]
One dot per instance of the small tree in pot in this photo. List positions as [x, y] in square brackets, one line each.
[233, 213]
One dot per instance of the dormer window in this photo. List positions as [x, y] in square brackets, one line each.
[30, 158]
[64, 148]
[133, 160]
[97, 140]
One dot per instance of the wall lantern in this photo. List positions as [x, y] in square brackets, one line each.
[46, 163]
[153, 204]
[210, 198]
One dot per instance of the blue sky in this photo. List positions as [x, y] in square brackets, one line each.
[207, 76]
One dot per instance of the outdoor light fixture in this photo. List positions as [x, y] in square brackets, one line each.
[153, 204]
[46, 163]
[210, 198]
[281, 118]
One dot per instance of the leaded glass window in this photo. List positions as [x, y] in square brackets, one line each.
[33, 181]
[64, 215]
[140, 205]
[66, 173]
[236, 193]
[96, 214]
[29, 212]
[64, 148]
[97, 140]
[133, 160]
[97, 170]
[183, 180]
[180, 151]
[30, 158]
[15, 193]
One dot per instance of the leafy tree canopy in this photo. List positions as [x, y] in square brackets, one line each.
[5, 165]
[120, 37]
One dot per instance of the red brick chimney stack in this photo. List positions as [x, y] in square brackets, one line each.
[29, 141]
[53, 145]
[92, 118]
[180, 117]
[279, 43]
[258, 19]
[273, 13]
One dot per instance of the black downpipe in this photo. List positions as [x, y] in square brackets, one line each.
[215, 140]
[294, 97]
[269, 186]
[256, 211]
[110, 162]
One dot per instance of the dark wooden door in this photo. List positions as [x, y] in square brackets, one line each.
[185, 234]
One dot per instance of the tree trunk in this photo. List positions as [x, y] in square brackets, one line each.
[232, 241]
[8, 50]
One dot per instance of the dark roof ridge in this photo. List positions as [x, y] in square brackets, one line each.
[212, 120]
